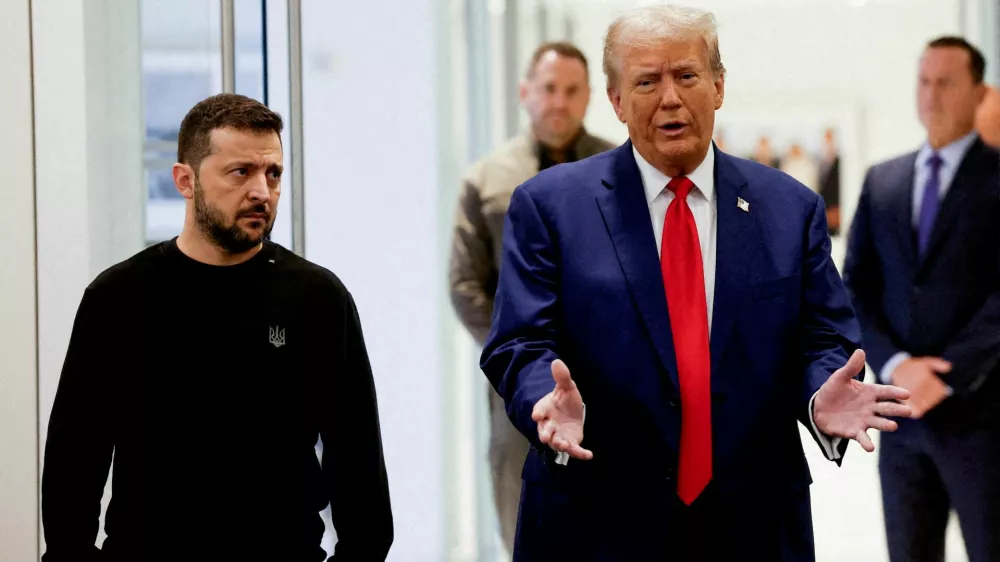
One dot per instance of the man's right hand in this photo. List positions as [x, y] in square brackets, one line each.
[559, 415]
[919, 375]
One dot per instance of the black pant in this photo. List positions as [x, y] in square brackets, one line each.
[926, 471]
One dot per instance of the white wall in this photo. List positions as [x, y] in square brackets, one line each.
[372, 179]
[468, 526]
[18, 371]
[89, 181]
[981, 26]
[88, 130]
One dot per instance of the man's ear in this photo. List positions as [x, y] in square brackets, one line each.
[720, 90]
[616, 103]
[184, 180]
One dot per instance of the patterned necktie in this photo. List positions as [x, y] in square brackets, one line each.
[929, 205]
[684, 281]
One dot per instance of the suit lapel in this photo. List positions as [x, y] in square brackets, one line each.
[951, 207]
[736, 237]
[626, 216]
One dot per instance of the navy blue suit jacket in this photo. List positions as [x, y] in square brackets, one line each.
[945, 305]
[580, 280]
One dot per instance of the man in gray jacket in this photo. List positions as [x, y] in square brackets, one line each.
[555, 93]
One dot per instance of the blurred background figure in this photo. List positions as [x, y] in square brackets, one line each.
[800, 165]
[923, 269]
[988, 117]
[764, 152]
[829, 186]
[555, 94]
[720, 139]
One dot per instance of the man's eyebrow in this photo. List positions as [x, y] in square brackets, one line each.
[685, 65]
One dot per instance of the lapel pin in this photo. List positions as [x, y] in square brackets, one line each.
[743, 205]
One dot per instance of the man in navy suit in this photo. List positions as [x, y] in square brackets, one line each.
[693, 297]
[923, 270]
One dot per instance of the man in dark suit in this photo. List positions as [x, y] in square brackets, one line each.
[693, 297]
[923, 270]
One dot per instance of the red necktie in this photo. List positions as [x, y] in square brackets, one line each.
[684, 280]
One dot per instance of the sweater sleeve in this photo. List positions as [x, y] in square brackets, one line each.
[79, 446]
[353, 462]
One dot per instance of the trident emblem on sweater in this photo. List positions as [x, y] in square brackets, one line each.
[277, 337]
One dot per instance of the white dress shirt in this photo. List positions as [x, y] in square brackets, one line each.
[702, 201]
[951, 158]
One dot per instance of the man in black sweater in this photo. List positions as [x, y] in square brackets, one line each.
[208, 366]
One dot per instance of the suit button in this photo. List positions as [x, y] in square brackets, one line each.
[673, 400]
[670, 474]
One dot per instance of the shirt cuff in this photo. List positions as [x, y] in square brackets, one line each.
[563, 457]
[830, 445]
[885, 375]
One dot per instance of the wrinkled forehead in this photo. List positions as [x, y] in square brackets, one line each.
[664, 57]
[262, 148]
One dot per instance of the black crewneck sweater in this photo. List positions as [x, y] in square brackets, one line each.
[209, 387]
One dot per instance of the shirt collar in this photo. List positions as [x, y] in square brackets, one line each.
[655, 181]
[951, 154]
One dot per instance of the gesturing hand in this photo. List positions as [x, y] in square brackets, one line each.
[559, 415]
[847, 408]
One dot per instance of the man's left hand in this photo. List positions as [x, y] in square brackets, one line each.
[847, 408]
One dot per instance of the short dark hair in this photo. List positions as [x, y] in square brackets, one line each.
[977, 62]
[561, 48]
[218, 112]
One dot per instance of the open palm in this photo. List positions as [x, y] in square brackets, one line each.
[847, 408]
[559, 415]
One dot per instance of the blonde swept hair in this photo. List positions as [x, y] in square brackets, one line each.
[648, 25]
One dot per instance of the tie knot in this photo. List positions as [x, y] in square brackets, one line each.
[681, 186]
[935, 161]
